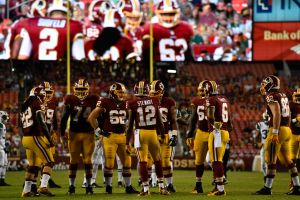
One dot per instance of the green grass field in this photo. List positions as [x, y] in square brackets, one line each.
[240, 187]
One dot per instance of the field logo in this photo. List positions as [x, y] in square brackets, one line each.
[264, 6]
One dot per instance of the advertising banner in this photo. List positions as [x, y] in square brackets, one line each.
[276, 41]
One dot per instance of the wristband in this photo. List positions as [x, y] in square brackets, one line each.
[294, 120]
[97, 129]
[275, 131]
[174, 132]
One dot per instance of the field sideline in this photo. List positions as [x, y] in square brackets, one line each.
[240, 186]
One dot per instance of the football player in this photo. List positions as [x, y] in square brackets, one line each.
[263, 128]
[37, 141]
[3, 151]
[199, 141]
[114, 113]
[81, 139]
[45, 38]
[218, 116]
[295, 126]
[168, 113]
[144, 113]
[277, 143]
[171, 37]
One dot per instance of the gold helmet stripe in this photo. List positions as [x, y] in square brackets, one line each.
[135, 5]
[47, 84]
[214, 84]
[141, 86]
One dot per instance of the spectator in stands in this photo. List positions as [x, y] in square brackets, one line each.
[207, 16]
[229, 11]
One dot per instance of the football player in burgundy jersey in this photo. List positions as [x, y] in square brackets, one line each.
[37, 141]
[144, 113]
[171, 36]
[199, 141]
[45, 38]
[114, 114]
[168, 113]
[81, 139]
[218, 116]
[277, 143]
[295, 126]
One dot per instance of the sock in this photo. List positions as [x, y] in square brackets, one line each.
[146, 186]
[94, 173]
[34, 182]
[84, 179]
[71, 181]
[160, 182]
[45, 179]
[1, 173]
[120, 178]
[269, 182]
[27, 186]
[108, 181]
[127, 181]
[169, 180]
[295, 180]
[220, 187]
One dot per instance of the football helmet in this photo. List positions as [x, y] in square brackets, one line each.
[269, 83]
[168, 13]
[38, 92]
[38, 8]
[265, 116]
[81, 89]
[3, 117]
[157, 89]
[48, 89]
[296, 96]
[141, 89]
[58, 5]
[133, 16]
[202, 89]
[117, 91]
[97, 10]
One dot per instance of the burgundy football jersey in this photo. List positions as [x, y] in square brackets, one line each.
[49, 37]
[91, 32]
[120, 50]
[295, 111]
[200, 105]
[165, 109]
[29, 120]
[80, 110]
[222, 110]
[114, 117]
[145, 112]
[283, 102]
[170, 44]
[50, 107]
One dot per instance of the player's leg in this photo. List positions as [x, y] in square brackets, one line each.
[166, 151]
[119, 169]
[200, 149]
[3, 165]
[88, 141]
[155, 151]
[75, 148]
[110, 150]
[216, 152]
[96, 162]
[29, 174]
[51, 182]
[225, 162]
[295, 149]
[263, 163]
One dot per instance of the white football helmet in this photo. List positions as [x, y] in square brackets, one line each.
[4, 117]
[168, 13]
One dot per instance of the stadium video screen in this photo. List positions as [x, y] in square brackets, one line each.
[121, 30]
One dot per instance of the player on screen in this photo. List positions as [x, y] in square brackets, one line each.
[199, 141]
[114, 113]
[3, 150]
[45, 38]
[81, 139]
[171, 36]
[277, 143]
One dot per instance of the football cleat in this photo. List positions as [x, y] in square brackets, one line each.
[214, 190]
[131, 190]
[120, 184]
[171, 188]
[34, 191]
[26, 194]
[164, 191]
[108, 189]
[217, 193]
[263, 191]
[143, 193]
[84, 185]
[45, 191]
[52, 184]
[95, 185]
[89, 190]
[198, 188]
[294, 191]
[71, 190]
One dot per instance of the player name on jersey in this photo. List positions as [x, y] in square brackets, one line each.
[54, 23]
[145, 102]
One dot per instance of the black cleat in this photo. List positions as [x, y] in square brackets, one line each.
[171, 188]
[131, 190]
[34, 191]
[264, 191]
[120, 184]
[71, 190]
[52, 184]
[294, 191]
[95, 185]
[89, 190]
[108, 189]
[198, 188]
[3, 183]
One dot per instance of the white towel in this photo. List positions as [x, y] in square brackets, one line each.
[217, 138]
[137, 143]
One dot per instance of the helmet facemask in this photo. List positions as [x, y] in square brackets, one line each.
[296, 96]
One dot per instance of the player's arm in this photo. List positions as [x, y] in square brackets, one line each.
[131, 116]
[78, 48]
[160, 125]
[192, 123]
[40, 117]
[275, 109]
[55, 126]
[92, 119]
[64, 119]
[211, 114]
[25, 46]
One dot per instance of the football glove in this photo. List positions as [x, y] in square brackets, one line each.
[99, 132]
[173, 141]
[190, 142]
